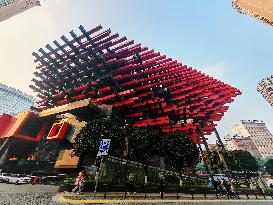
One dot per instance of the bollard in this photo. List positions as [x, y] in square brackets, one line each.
[192, 195]
[125, 194]
[145, 191]
[105, 189]
[271, 195]
[177, 194]
[256, 195]
[205, 195]
[246, 195]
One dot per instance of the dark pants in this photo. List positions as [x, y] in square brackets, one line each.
[131, 186]
[161, 186]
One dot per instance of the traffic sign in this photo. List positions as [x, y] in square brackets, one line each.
[104, 147]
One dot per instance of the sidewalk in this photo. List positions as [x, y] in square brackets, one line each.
[151, 198]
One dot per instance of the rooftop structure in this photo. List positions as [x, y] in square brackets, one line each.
[13, 101]
[9, 8]
[265, 87]
[257, 131]
[146, 87]
[258, 9]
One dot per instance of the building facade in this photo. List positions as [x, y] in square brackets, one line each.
[100, 74]
[239, 143]
[258, 9]
[257, 132]
[13, 102]
[265, 87]
[9, 8]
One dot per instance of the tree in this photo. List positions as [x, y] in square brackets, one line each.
[262, 162]
[87, 141]
[237, 160]
[200, 167]
[214, 160]
[241, 160]
[269, 166]
[143, 144]
[179, 151]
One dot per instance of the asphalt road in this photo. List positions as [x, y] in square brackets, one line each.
[12, 188]
[11, 194]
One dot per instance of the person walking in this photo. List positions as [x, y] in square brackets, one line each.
[210, 184]
[220, 187]
[35, 180]
[131, 181]
[232, 190]
[227, 188]
[80, 181]
[161, 181]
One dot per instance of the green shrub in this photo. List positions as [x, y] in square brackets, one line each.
[69, 181]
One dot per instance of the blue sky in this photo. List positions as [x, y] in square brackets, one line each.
[207, 35]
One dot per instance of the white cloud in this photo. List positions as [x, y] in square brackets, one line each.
[216, 70]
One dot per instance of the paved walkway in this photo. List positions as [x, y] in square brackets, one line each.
[154, 198]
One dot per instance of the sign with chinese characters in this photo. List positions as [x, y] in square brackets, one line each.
[104, 147]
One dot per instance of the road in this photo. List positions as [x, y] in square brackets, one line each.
[28, 194]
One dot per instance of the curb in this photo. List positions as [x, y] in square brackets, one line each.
[61, 198]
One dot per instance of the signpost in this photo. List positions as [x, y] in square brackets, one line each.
[103, 151]
[104, 147]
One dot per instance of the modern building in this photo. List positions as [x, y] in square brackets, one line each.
[258, 133]
[96, 74]
[265, 87]
[258, 9]
[240, 143]
[13, 101]
[9, 8]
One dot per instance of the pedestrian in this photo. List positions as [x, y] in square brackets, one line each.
[220, 186]
[259, 189]
[232, 190]
[210, 184]
[80, 181]
[227, 187]
[43, 179]
[35, 180]
[131, 181]
[215, 184]
[161, 181]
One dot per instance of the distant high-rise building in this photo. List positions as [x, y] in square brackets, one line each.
[265, 87]
[258, 9]
[256, 131]
[13, 101]
[242, 143]
[9, 8]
